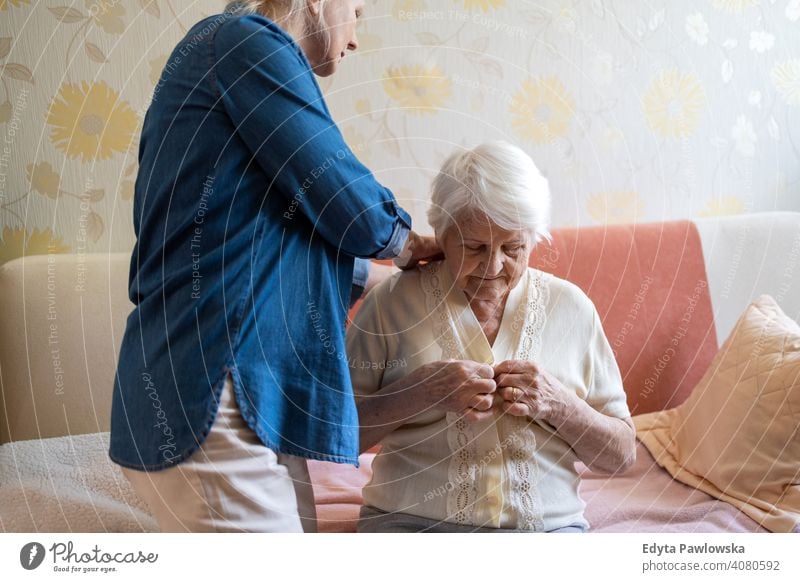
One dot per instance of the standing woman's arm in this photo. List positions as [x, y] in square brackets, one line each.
[271, 95]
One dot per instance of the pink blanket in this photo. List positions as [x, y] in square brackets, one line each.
[645, 499]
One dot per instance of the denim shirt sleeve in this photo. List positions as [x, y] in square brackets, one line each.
[396, 242]
[269, 91]
[360, 276]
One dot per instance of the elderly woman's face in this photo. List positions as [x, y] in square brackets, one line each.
[486, 261]
[341, 17]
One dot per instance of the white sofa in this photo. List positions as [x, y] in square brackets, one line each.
[63, 317]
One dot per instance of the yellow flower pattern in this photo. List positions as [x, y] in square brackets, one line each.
[673, 103]
[616, 207]
[401, 8]
[418, 88]
[126, 190]
[18, 242]
[5, 111]
[107, 15]
[723, 206]
[734, 6]
[43, 242]
[4, 4]
[156, 68]
[362, 106]
[12, 245]
[357, 143]
[430, 76]
[368, 42]
[482, 5]
[91, 121]
[44, 179]
[786, 76]
[541, 110]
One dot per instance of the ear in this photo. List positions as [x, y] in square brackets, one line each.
[439, 237]
[313, 7]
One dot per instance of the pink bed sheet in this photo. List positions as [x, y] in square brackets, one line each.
[645, 499]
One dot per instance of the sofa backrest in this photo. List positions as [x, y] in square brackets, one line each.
[647, 281]
[649, 285]
[751, 255]
[62, 316]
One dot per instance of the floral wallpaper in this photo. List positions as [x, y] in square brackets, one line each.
[635, 111]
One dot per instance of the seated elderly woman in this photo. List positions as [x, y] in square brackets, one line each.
[484, 380]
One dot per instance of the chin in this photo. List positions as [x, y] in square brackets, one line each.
[487, 293]
[325, 70]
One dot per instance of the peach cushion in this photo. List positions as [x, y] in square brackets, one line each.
[736, 437]
[648, 282]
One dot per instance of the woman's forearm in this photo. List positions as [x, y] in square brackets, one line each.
[384, 411]
[460, 386]
[603, 443]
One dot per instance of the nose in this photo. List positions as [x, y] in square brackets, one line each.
[494, 264]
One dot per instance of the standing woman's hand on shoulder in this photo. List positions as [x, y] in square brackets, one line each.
[418, 248]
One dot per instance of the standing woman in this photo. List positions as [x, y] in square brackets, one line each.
[253, 219]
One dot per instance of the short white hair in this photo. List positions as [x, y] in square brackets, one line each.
[296, 11]
[495, 178]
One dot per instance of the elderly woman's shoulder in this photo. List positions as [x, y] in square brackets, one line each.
[563, 294]
[394, 300]
[403, 288]
[400, 286]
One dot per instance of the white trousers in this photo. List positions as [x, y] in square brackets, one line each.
[232, 483]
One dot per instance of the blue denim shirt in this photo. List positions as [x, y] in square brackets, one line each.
[249, 212]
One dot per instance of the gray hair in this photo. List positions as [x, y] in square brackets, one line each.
[297, 15]
[495, 178]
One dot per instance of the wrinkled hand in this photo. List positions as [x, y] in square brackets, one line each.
[524, 389]
[418, 248]
[461, 386]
